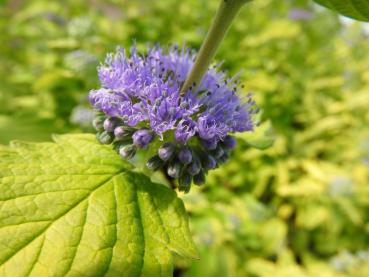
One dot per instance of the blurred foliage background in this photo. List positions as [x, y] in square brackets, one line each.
[294, 199]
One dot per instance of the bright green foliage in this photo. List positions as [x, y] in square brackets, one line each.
[73, 208]
[299, 208]
[358, 9]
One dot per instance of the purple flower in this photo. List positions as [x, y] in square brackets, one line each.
[145, 90]
[140, 99]
[186, 129]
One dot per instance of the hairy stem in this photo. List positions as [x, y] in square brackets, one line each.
[227, 12]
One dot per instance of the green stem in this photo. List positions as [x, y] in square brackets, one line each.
[227, 11]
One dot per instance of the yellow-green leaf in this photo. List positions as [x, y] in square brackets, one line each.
[74, 208]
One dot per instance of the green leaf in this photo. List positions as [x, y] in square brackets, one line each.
[74, 208]
[261, 138]
[357, 9]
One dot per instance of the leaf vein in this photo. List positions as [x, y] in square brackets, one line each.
[70, 265]
[63, 214]
[35, 194]
[116, 230]
[143, 231]
[36, 258]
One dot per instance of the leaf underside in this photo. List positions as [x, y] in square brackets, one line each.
[73, 208]
[357, 9]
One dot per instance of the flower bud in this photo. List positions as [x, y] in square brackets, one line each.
[195, 167]
[209, 144]
[218, 152]
[118, 144]
[209, 162]
[121, 132]
[184, 182]
[154, 163]
[166, 151]
[105, 137]
[224, 158]
[199, 179]
[98, 123]
[229, 142]
[142, 138]
[127, 151]
[185, 155]
[174, 169]
[110, 124]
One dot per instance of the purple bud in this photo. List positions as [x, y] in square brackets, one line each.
[122, 132]
[184, 182]
[209, 144]
[118, 144]
[218, 152]
[229, 142]
[185, 155]
[154, 163]
[174, 169]
[224, 158]
[166, 151]
[199, 179]
[110, 123]
[98, 123]
[195, 167]
[210, 162]
[142, 138]
[127, 151]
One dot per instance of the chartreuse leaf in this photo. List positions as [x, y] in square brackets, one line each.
[74, 208]
[357, 9]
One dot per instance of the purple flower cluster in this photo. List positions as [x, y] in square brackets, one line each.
[146, 89]
[140, 98]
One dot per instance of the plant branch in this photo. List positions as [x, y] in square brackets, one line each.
[227, 12]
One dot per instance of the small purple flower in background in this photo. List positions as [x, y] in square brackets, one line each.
[82, 116]
[80, 60]
[300, 14]
[140, 102]
[365, 161]
[341, 186]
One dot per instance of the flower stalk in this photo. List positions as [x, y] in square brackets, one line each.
[226, 13]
